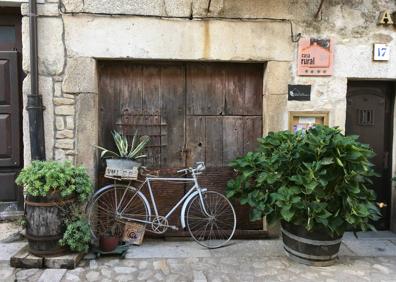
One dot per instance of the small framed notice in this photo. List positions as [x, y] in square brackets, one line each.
[305, 120]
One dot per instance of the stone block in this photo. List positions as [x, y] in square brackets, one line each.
[59, 123]
[80, 76]
[73, 6]
[137, 37]
[87, 132]
[135, 7]
[65, 134]
[68, 261]
[23, 259]
[64, 144]
[275, 111]
[7, 250]
[47, 9]
[53, 275]
[58, 89]
[64, 110]
[70, 122]
[51, 51]
[60, 155]
[63, 101]
[276, 78]
[178, 8]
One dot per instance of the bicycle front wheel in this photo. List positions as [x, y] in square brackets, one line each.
[215, 227]
[116, 205]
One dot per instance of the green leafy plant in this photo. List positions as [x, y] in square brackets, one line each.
[126, 151]
[43, 178]
[77, 235]
[317, 179]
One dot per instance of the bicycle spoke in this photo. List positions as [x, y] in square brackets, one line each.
[103, 211]
[215, 230]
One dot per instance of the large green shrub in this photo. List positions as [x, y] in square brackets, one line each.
[43, 178]
[317, 179]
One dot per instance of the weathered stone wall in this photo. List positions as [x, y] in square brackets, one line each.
[74, 34]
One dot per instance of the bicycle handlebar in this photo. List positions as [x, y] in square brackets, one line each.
[199, 166]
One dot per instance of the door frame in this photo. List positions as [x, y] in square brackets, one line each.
[391, 191]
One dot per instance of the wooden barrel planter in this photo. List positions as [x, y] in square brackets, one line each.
[312, 248]
[45, 224]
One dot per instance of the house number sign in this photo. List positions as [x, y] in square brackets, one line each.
[381, 52]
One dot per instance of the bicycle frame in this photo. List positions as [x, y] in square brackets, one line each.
[194, 188]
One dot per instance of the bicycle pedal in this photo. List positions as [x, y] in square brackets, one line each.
[174, 228]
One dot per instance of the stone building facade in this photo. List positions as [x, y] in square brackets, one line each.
[73, 35]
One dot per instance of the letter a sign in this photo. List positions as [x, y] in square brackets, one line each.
[315, 57]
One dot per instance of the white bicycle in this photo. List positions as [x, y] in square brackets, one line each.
[208, 215]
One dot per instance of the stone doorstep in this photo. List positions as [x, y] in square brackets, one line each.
[23, 259]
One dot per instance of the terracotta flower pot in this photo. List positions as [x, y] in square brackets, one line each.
[108, 243]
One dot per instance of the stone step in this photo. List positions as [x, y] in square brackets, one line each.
[23, 259]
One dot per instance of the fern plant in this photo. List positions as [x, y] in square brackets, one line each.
[77, 236]
[125, 150]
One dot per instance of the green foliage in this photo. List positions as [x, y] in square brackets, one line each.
[126, 151]
[77, 235]
[317, 179]
[43, 178]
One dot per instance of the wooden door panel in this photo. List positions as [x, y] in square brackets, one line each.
[252, 129]
[204, 78]
[8, 189]
[233, 142]
[213, 141]
[5, 82]
[195, 139]
[172, 113]
[6, 140]
[9, 111]
[369, 115]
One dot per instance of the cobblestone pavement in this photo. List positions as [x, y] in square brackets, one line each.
[261, 260]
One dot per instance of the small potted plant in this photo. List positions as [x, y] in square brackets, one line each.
[110, 239]
[315, 182]
[128, 154]
[52, 190]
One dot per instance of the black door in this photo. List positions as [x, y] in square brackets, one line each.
[369, 115]
[10, 110]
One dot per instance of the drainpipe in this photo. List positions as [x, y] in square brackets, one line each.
[34, 103]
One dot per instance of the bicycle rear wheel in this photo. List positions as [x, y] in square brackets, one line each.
[215, 229]
[116, 204]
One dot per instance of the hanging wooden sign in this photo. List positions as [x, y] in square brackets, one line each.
[315, 57]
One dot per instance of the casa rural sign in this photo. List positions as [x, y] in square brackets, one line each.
[315, 57]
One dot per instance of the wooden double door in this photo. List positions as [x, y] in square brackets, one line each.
[209, 112]
[370, 116]
[11, 75]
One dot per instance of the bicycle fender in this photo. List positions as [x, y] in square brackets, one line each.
[185, 204]
[103, 189]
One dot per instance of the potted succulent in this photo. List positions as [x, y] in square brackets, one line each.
[110, 239]
[315, 182]
[127, 153]
[52, 189]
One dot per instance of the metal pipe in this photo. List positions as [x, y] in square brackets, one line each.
[34, 103]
